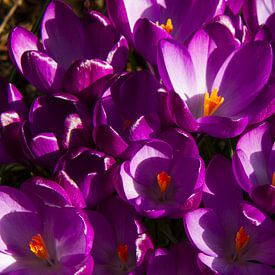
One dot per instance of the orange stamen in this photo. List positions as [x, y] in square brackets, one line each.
[164, 181]
[168, 26]
[273, 179]
[212, 103]
[122, 252]
[241, 239]
[38, 247]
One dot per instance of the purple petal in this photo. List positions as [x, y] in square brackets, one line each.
[176, 68]
[204, 230]
[222, 193]
[62, 33]
[200, 48]
[247, 71]
[20, 41]
[83, 75]
[222, 127]
[42, 71]
[146, 30]
[256, 146]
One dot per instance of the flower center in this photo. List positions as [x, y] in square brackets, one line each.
[273, 179]
[38, 247]
[168, 26]
[212, 103]
[241, 239]
[164, 181]
[122, 252]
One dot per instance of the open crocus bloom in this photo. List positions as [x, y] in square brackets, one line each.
[233, 236]
[49, 240]
[120, 244]
[214, 89]
[254, 165]
[74, 54]
[151, 21]
[161, 182]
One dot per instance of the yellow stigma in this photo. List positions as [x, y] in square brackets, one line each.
[164, 181]
[273, 179]
[212, 103]
[241, 239]
[168, 26]
[123, 252]
[38, 247]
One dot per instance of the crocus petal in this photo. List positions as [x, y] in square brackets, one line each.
[204, 230]
[244, 77]
[200, 48]
[222, 193]
[256, 145]
[176, 68]
[108, 140]
[71, 249]
[235, 5]
[242, 169]
[73, 191]
[264, 196]
[125, 13]
[45, 147]
[222, 127]
[118, 56]
[146, 30]
[100, 34]
[20, 41]
[42, 71]
[62, 33]
[104, 241]
[83, 74]
[262, 107]
[128, 183]
[46, 191]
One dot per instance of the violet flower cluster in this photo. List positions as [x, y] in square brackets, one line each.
[150, 147]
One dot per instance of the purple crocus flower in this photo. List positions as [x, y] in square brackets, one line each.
[127, 114]
[180, 259]
[75, 55]
[161, 180]
[87, 175]
[12, 114]
[233, 236]
[56, 123]
[256, 12]
[48, 240]
[254, 165]
[120, 244]
[216, 89]
[145, 22]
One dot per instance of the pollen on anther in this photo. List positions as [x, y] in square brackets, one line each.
[168, 26]
[164, 181]
[241, 239]
[212, 102]
[123, 252]
[38, 248]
